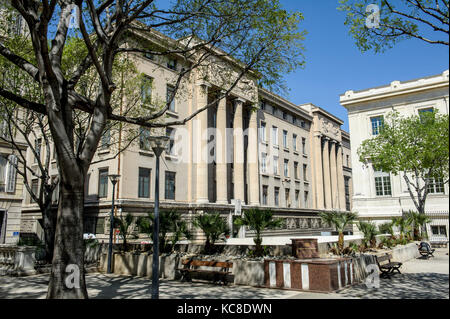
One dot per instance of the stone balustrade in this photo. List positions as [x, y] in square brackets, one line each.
[17, 260]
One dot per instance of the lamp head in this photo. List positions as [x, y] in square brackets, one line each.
[159, 144]
[114, 178]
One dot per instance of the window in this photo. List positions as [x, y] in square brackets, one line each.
[265, 194]
[294, 120]
[3, 169]
[262, 132]
[296, 170]
[284, 116]
[347, 159]
[34, 189]
[106, 138]
[304, 146]
[287, 192]
[144, 183]
[274, 110]
[169, 93]
[347, 193]
[275, 165]
[306, 199]
[262, 105]
[297, 199]
[426, 110]
[439, 230]
[170, 185]
[4, 129]
[277, 196]
[37, 148]
[100, 225]
[149, 56]
[285, 139]
[146, 90]
[274, 135]
[264, 163]
[144, 135]
[286, 168]
[303, 124]
[305, 171]
[170, 132]
[172, 64]
[294, 142]
[377, 124]
[102, 182]
[436, 185]
[382, 184]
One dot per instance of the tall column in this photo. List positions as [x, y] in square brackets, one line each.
[238, 158]
[340, 177]
[318, 172]
[221, 153]
[334, 177]
[252, 159]
[202, 144]
[326, 173]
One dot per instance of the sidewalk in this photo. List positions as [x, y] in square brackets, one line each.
[419, 279]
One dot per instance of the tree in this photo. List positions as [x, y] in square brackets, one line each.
[380, 28]
[340, 221]
[213, 226]
[124, 225]
[418, 222]
[369, 230]
[170, 221]
[258, 220]
[416, 147]
[262, 38]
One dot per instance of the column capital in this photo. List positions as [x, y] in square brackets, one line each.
[203, 83]
[239, 100]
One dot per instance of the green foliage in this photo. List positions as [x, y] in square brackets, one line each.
[416, 147]
[339, 220]
[404, 226]
[399, 20]
[417, 222]
[386, 228]
[213, 226]
[369, 229]
[124, 224]
[171, 228]
[258, 220]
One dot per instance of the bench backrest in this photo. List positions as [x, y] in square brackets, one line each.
[384, 258]
[206, 263]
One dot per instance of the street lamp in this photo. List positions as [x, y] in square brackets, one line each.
[158, 145]
[114, 179]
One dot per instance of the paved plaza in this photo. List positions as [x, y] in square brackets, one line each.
[428, 279]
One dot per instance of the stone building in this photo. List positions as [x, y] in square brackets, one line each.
[254, 146]
[379, 196]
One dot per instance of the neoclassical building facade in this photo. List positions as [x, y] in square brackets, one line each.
[379, 196]
[253, 146]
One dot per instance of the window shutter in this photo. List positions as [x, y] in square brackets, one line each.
[11, 174]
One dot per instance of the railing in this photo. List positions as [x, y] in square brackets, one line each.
[7, 259]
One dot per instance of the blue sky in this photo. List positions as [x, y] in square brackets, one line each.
[335, 65]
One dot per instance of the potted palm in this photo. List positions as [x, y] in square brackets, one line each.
[340, 220]
[369, 230]
[258, 220]
[417, 222]
[213, 226]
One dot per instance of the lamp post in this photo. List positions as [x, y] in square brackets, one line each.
[114, 179]
[158, 145]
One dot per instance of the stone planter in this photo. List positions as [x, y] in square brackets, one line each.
[248, 273]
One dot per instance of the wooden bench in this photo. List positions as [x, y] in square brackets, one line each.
[220, 272]
[386, 266]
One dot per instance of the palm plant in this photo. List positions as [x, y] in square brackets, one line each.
[339, 220]
[403, 225]
[258, 220]
[386, 228]
[124, 225]
[417, 222]
[213, 226]
[169, 222]
[369, 229]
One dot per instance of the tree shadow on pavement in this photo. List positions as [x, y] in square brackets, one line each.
[404, 286]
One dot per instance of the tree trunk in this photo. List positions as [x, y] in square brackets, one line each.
[49, 226]
[67, 278]
[341, 242]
